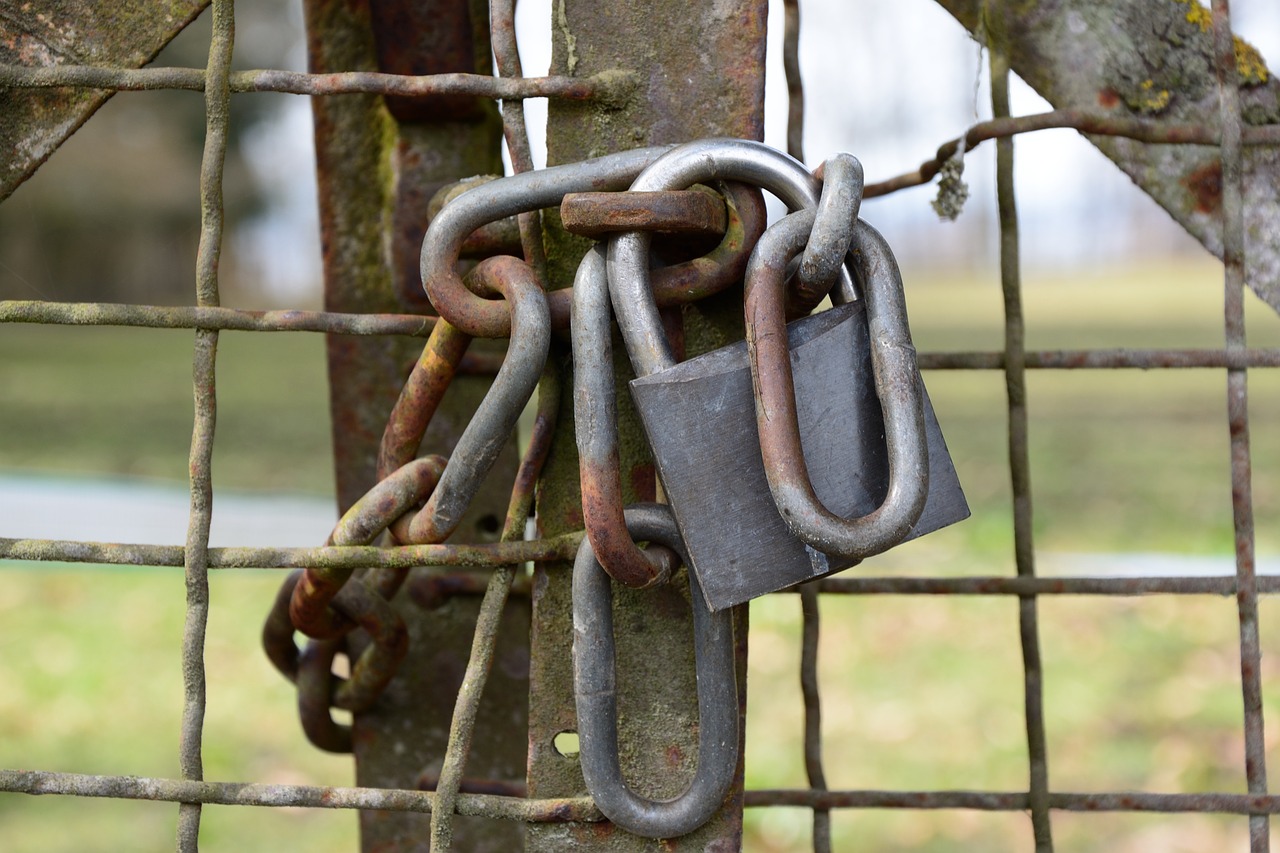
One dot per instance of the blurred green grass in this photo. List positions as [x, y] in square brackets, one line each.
[920, 692]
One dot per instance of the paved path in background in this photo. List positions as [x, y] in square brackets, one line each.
[153, 513]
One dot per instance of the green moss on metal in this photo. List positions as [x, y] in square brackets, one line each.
[687, 71]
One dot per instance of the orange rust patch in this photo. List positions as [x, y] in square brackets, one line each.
[1108, 98]
[1205, 184]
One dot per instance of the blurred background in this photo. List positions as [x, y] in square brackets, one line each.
[1130, 469]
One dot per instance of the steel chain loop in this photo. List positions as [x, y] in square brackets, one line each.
[391, 498]
[595, 690]
[897, 386]
[595, 413]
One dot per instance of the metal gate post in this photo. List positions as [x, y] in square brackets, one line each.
[379, 161]
[700, 72]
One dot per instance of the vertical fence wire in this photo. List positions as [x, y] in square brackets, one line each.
[810, 626]
[1238, 416]
[502, 35]
[813, 713]
[795, 85]
[506, 54]
[196, 553]
[1015, 372]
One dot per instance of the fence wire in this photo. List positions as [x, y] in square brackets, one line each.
[207, 319]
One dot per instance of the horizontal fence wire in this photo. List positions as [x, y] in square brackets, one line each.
[207, 318]
[302, 83]
[418, 326]
[564, 547]
[583, 810]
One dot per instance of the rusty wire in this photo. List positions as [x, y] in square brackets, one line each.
[418, 326]
[196, 553]
[300, 83]
[582, 810]
[1020, 463]
[809, 690]
[488, 555]
[810, 630]
[506, 54]
[993, 801]
[212, 317]
[1238, 417]
[795, 84]
[1003, 127]
[186, 791]
[489, 619]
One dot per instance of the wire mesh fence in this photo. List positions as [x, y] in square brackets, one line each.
[207, 318]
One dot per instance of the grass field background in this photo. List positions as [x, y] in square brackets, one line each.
[919, 692]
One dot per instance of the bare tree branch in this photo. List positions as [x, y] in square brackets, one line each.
[1150, 59]
[1138, 129]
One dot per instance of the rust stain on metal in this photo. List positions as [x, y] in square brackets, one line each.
[696, 211]
[1205, 186]
[432, 37]
[374, 170]
[602, 512]
[644, 480]
[429, 779]
[701, 72]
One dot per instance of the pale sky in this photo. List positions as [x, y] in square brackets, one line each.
[885, 81]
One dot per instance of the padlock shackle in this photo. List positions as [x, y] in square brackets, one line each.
[681, 167]
[595, 417]
[897, 384]
[595, 690]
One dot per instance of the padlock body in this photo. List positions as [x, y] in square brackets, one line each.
[700, 420]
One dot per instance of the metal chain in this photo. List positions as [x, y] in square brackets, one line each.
[421, 500]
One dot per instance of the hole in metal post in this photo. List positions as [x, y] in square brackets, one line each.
[566, 743]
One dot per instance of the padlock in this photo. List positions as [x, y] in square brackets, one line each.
[699, 415]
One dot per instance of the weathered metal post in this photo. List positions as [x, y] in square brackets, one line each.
[379, 161]
[700, 67]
